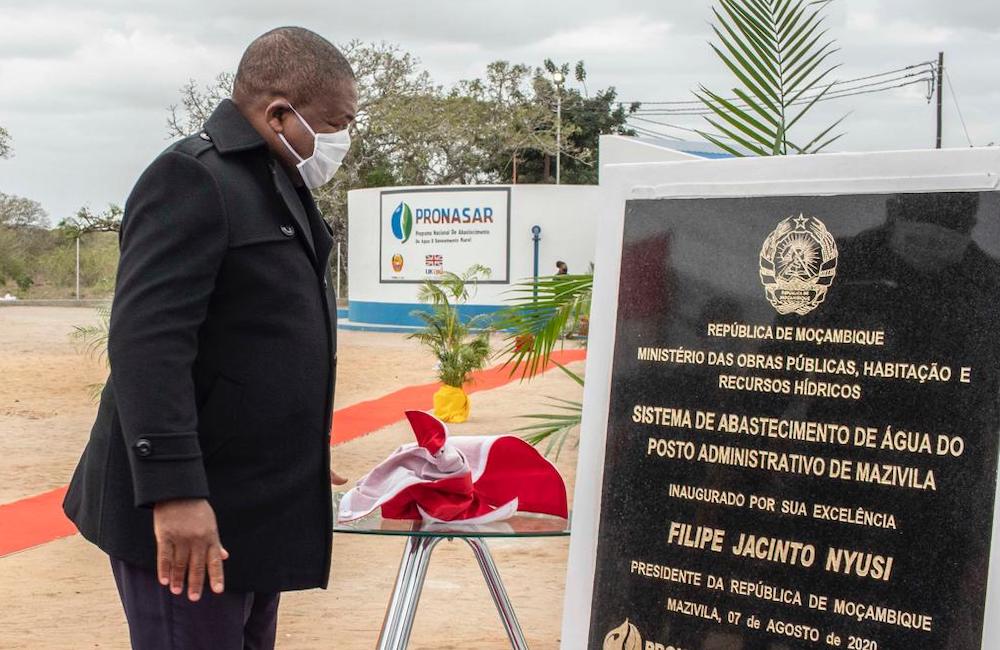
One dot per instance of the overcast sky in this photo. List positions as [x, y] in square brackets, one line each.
[85, 86]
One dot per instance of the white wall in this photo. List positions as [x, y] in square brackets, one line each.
[618, 149]
[568, 214]
[565, 212]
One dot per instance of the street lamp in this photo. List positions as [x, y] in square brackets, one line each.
[558, 78]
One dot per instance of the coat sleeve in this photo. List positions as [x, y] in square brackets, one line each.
[173, 238]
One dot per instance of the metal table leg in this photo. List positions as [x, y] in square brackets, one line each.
[399, 615]
[497, 591]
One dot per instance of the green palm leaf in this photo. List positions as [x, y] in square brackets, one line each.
[779, 52]
[460, 346]
[539, 316]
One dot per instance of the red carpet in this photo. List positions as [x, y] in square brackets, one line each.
[39, 519]
[33, 521]
[365, 417]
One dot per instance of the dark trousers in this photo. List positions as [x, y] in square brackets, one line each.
[159, 620]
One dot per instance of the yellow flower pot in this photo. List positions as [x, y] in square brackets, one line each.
[451, 404]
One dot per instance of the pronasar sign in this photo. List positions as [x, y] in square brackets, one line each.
[425, 233]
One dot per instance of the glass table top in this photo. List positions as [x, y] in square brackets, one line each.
[520, 525]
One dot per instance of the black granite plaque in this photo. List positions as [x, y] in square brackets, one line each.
[803, 431]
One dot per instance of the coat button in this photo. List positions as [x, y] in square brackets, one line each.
[288, 231]
[204, 136]
[143, 447]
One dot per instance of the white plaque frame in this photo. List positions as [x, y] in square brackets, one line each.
[856, 173]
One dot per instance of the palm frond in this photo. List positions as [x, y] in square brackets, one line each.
[94, 338]
[778, 50]
[94, 341]
[460, 346]
[553, 428]
[540, 313]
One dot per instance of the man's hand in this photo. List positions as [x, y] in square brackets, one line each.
[187, 542]
[336, 478]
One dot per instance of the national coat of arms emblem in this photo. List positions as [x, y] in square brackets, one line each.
[798, 262]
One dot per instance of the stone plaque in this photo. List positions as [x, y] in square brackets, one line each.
[803, 427]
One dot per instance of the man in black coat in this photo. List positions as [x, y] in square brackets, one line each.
[211, 446]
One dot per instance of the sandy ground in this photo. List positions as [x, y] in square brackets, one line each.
[61, 595]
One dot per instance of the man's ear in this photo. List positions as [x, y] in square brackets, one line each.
[275, 113]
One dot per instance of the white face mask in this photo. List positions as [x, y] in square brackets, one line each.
[329, 150]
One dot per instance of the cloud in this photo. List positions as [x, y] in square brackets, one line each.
[87, 85]
[890, 31]
[630, 34]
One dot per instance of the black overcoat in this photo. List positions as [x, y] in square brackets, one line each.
[222, 348]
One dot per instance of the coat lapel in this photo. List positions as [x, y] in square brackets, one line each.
[230, 132]
[291, 199]
[322, 236]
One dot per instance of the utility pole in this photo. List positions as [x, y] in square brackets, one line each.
[78, 267]
[558, 131]
[940, 87]
[559, 79]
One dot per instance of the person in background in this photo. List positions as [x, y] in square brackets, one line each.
[561, 268]
[210, 454]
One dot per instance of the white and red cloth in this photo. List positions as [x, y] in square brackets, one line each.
[472, 479]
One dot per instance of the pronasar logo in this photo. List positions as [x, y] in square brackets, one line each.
[402, 222]
[465, 214]
[624, 637]
[404, 217]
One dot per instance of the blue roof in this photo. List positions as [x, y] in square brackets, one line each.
[694, 147]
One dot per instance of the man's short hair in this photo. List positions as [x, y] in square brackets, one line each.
[290, 61]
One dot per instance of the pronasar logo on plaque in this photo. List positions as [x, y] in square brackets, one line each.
[798, 262]
[624, 637]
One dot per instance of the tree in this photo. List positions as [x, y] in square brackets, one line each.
[20, 212]
[22, 238]
[197, 105]
[510, 121]
[584, 119]
[778, 51]
[87, 221]
[6, 146]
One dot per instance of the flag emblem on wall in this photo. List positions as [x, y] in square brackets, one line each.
[433, 260]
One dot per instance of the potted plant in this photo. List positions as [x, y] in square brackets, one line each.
[461, 346]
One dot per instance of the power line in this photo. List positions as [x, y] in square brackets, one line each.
[642, 131]
[672, 126]
[878, 86]
[668, 124]
[644, 118]
[928, 64]
[954, 97]
[707, 111]
[851, 87]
